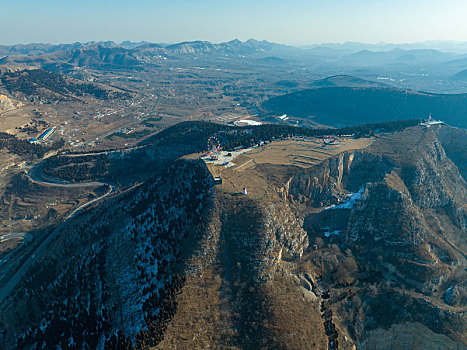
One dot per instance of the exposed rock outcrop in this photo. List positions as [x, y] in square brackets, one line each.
[282, 225]
[453, 141]
[6, 104]
[433, 179]
[331, 181]
[400, 208]
[408, 336]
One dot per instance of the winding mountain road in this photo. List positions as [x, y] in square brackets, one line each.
[24, 235]
[36, 175]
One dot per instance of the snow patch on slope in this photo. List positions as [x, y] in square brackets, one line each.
[350, 201]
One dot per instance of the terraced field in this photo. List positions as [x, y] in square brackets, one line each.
[298, 152]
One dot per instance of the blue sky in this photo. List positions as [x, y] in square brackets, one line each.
[296, 22]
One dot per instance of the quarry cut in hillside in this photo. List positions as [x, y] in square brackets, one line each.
[6, 104]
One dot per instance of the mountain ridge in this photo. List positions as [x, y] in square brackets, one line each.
[190, 264]
[356, 105]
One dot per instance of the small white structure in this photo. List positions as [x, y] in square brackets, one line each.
[244, 191]
[247, 122]
[431, 122]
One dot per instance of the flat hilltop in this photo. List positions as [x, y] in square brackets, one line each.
[296, 152]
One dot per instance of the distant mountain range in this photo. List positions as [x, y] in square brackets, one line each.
[398, 55]
[130, 53]
[462, 75]
[413, 66]
[345, 81]
[347, 47]
[192, 47]
[101, 55]
[92, 56]
[442, 45]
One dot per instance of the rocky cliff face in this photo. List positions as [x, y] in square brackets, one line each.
[453, 141]
[332, 181]
[400, 208]
[385, 215]
[392, 196]
[282, 226]
[433, 179]
[176, 263]
[263, 235]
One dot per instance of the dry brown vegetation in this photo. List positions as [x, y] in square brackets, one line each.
[304, 152]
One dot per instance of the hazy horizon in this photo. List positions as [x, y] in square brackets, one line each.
[297, 22]
[381, 43]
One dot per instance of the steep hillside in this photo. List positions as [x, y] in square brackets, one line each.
[42, 85]
[365, 249]
[353, 106]
[109, 276]
[455, 144]
[345, 81]
[400, 208]
[6, 104]
[102, 57]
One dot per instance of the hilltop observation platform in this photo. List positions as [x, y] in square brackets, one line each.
[430, 122]
[222, 161]
[224, 158]
[298, 151]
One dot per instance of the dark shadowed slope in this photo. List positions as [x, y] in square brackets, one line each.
[345, 81]
[352, 106]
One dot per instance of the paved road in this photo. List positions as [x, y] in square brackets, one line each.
[71, 155]
[26, 236]
[37, 176]
[39, 252]
[153, 109]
